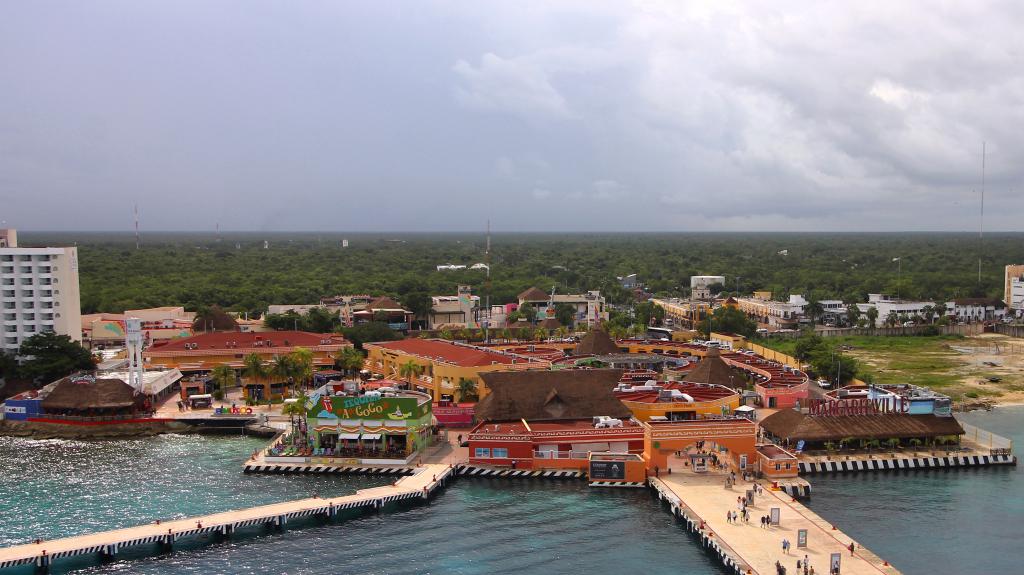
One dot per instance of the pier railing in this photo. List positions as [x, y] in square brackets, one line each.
[996, 444]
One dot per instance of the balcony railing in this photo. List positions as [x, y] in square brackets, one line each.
[561, 454]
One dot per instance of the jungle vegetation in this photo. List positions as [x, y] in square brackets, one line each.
[236, 273]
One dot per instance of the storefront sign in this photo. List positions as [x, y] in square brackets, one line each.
[368, 407]
[862, 406]
[834, 563]
[801, 538]
[605, 470]
[775, 514]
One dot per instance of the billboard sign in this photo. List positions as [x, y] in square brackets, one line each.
[607, 470]
[801, 538]
[775, 514]
[366, 407]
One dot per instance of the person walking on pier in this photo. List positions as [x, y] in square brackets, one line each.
[852, 547]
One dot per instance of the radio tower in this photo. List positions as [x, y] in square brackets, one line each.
[487, 284]
[981, 223]
[138, 240]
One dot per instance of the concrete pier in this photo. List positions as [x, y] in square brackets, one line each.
[702, 501]
[421, 485]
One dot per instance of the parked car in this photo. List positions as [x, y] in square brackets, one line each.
[824, 383]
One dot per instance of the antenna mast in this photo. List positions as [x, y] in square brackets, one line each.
[981, 223]
[138, 241]
[487, 284]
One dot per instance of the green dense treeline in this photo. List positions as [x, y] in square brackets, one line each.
[235, 272]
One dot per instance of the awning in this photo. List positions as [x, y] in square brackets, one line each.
[744, 408]
[348, 436]
[371, 436]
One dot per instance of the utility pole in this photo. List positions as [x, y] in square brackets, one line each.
[487, 285]
[981, 223]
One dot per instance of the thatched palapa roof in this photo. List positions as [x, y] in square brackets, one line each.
[597, 342]
[551, 395]
[80, 392]
[713, 369]
[794, 426]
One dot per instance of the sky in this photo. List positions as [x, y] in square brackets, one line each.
[537, 116]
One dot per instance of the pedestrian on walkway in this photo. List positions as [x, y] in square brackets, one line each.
[852, 547]
[799, 564]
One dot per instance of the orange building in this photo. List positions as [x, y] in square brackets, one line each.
[675, 401]
[201, 353]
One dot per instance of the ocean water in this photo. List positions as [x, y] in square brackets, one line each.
[929, 522]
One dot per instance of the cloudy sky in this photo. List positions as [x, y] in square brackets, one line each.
[539, 116]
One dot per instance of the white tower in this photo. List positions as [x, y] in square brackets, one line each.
[133, 344]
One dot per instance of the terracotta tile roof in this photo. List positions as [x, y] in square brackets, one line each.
[244, 340]
[698, 391]
[462, 355]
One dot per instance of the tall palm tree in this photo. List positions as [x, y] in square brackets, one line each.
[813, 309]
[540, 333]
[302, 365]
[294, 410]
[224, 376]
[281, 368]
[254, 369]
[852, 314]
[349, 359]
[506, 334]
[409, 370]
[872, 315]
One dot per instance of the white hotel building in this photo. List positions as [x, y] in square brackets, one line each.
[38, 292]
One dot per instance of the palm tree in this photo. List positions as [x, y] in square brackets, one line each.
[506, 334]
[940, 309]
[302, 365]
[254, 369]
[617, 332]
[224, 376]
[281, 368]
[540, 333]
[446, 334]
[915, 443]
[296, 408]
[467, 390]
[562, 332]
[892, 319]
[893, 443]
[872, 314]
[852, 314]
[349, 359]
[929, 313]
[409, 370]
[814, 310]
[465, 334]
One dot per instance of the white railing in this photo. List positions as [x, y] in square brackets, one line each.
[987, 439]
[561, 454]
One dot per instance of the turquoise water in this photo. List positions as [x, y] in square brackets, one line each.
[956, 521]
[943, 521]
[57, 488]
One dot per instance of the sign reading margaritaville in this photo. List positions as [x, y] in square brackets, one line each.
[367, 407]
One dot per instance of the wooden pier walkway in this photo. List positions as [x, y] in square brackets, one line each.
[420, 485]
[702, 501]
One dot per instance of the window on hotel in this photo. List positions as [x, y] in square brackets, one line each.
[482, 452]
[778, 466]
[499, 453]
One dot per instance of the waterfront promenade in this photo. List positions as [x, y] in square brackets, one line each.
[704, 498]
[420, 485]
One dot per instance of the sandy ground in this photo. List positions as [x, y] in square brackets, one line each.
[976, 359]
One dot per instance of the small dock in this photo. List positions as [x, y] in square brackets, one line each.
[421, 485]
[702, 501]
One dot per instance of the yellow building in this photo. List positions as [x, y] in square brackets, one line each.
[443, 364]
[679, 401]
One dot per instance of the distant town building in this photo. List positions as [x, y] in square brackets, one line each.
[38, 292]
[776, 314]
[455, 312]
[973, 309]
[629, 282]
[589, 307]
[887, 304]
[699, 286]
[682, 313]
[158, 324]
[346, 306]
[1014, 287]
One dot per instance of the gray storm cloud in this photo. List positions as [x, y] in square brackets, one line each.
[644, 115]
